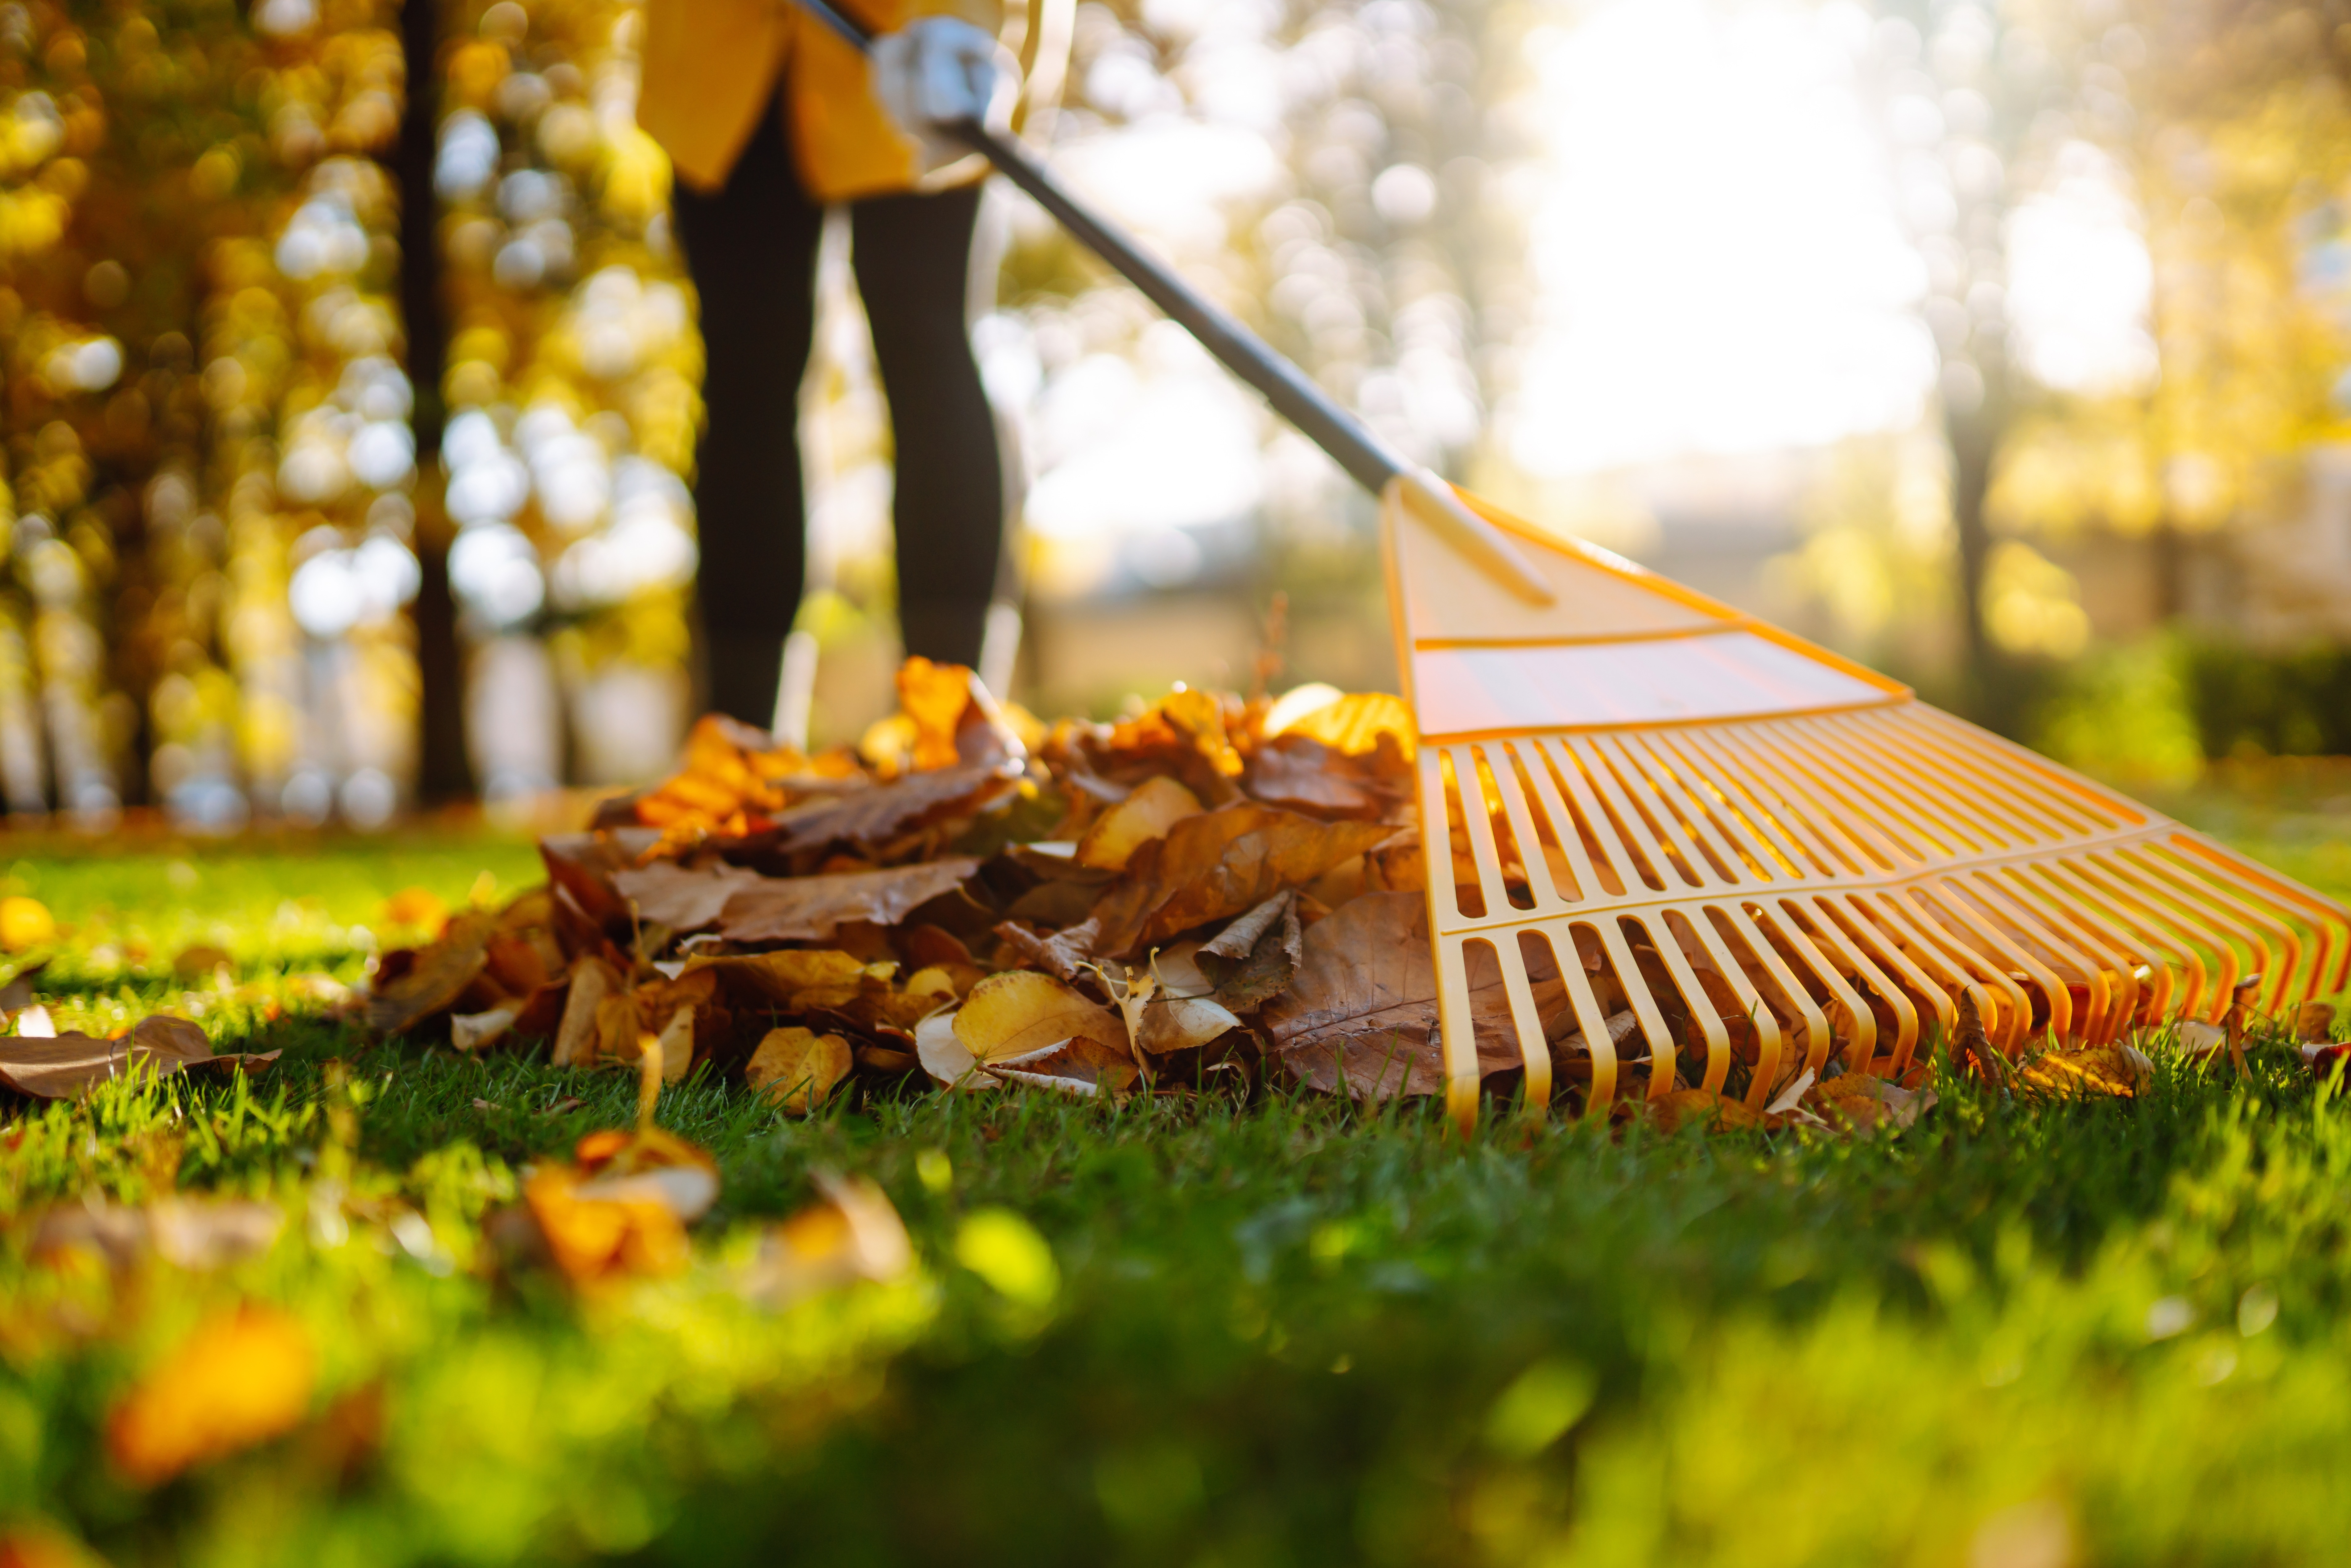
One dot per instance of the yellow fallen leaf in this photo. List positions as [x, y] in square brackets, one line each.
[417, 906]
[26, 923]
[1020, 1011]
[240, 1379]
[797, 1068]
[1155, 806]
[593, 1237]
[2117, 1070]
[1353, 724]
[946, 1057]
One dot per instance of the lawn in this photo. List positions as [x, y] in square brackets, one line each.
[1177, 1331]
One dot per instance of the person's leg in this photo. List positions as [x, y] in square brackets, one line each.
[751, 248]
[914, 257]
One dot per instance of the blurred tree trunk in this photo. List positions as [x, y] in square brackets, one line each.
[442, 773]
[1974, 440]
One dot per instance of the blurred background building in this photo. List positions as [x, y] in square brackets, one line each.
[351, 377]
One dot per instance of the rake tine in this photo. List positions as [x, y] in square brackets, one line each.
[1664, 1058]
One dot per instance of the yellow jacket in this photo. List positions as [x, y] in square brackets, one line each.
[711, 65]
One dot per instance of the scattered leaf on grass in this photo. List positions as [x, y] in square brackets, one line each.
[239, 1379]
[1171, 1004]
[2115, 1069]
[797, 1068]
[418, 906]
[65, 1065]
[851, 1234]
[201, 962]
[1699, 1107]
[24, 922]
[2313, 1022]
[1859, 1103]
[185, 1232]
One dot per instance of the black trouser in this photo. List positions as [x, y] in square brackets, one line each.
[751, 248]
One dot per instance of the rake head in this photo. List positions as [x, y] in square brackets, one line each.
[1678, 837]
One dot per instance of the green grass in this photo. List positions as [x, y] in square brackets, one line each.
[1289, 1332]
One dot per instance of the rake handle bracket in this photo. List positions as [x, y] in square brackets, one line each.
[1368, 460]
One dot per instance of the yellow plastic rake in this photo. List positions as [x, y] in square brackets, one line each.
[1703, 815]
[1744, 840]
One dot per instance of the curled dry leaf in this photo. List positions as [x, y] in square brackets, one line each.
[1257, 957]
[814, 908]
[440, 975]
[1219, 865]
[63, 1066]
[1173, 1003]
[621, 1209]
[798, 1069]
[1065, 956]
[581, 1037]
[1079, 1065]
[945, 1056]
[1155, 806]
[240, 1378]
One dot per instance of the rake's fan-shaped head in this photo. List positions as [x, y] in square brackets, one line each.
[1676, 837]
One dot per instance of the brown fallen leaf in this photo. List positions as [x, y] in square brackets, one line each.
[201, 961]
[1695, 1107]
[477, 1032]
[871, 818]
[192, 1233]
[240, 1378]
[1256, 957]
[1363, 1009]
[1218, 864]
[580, 1035]
[17, 993]
[65, 1065]
[2313, 1022]
[440, 975]
[796, 979]
[1302, 774]
[1859, 1103]
[812, 908]
[683, 898]
[798, 1069]
[1066, 955]
[1155, 805]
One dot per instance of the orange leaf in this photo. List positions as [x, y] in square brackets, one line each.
[797, 1068]
[934, 696]
[239, 1379]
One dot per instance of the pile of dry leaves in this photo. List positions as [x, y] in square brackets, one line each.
[1215, 892]
[1201, 893]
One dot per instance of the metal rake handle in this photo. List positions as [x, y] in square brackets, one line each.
[1371, 462]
